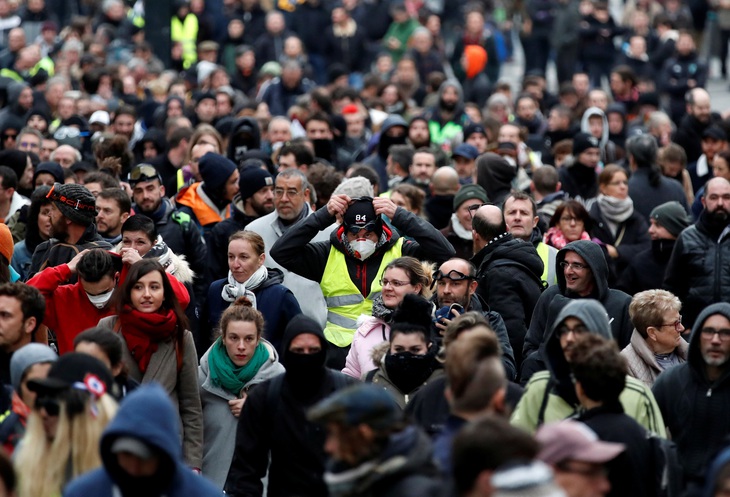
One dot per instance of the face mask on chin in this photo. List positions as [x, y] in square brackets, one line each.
[363, 248]
[101, 300]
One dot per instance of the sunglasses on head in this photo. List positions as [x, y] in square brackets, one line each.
[51, 405]
[452, 275]
[143, 172]
[355, 228]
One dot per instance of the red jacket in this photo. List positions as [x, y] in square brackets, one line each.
[69, 310]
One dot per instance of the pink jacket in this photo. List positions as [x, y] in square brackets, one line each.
[371, 333]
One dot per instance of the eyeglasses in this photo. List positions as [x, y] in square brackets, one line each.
[677, 324]
[394, 283]
[291, 192]
[50, 404]
[711, 332]
[570, 219]
[69, 132]
[578, 330]
[143, 172]
[452, 275]
[577, 266]
[73, 203]
[473, 208]
[32, 145]
[370, 227]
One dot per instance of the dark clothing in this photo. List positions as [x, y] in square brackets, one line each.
[597, 49]
[168, 172]
[557, 296]
[550, 138]
[632, 472]
[698, 271]
[54, 252]
[350, 51]
[430, 410]
[216, 240]
[579, 181]
[309, 21]
[439, 209]
[690, 403]
[646, 196]
[632, 236]
[270, 47]
[488, 43]
[378, 160]
[689, 135]
[509, 271]
[279, 98]
[464, 248]
[273, 300]
[674, 81]
[294, 252]
[646, 270]
[276, 427]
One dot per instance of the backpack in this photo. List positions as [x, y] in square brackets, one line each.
[667, 470]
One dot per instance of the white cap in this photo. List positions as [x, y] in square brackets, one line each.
[101, 117]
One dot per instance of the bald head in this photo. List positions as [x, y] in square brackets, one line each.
[490, 213]
[445, 181]
[488, 223]
[716, 199]
[698, 105]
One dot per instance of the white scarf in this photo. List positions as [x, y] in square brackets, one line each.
[234, 289]
[459, 230]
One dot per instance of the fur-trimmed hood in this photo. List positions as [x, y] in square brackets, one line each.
[174, 264]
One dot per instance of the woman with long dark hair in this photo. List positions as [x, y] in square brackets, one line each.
[37, 230]
[159, 346]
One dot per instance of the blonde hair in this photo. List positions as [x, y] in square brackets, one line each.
[419, 272]
[648, 308]
[41, 464]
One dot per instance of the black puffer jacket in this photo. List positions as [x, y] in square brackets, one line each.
[509, 275]
[699, 268]
[632, 236]
[694, 407]
[616, 302]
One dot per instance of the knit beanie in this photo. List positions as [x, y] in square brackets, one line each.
[476, 60]
[671, 216]
[582, 142]
[25, 357]
[253, 179]
[75, 202]
[468, 192]
[6, 242]
[215, 170]
[358, 186]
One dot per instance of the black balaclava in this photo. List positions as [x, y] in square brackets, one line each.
[304, 372]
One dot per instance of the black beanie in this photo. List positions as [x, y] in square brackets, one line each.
[75, 202]
[582, 142]
[215, 170]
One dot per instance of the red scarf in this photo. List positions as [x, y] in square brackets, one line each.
[143, 332]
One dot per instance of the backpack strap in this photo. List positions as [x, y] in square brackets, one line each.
[543, 404]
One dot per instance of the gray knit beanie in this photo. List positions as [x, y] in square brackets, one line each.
[25, 357]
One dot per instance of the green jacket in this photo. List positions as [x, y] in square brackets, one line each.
[402, 32]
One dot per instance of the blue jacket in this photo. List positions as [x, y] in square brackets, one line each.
[275, 301]
[146, 414]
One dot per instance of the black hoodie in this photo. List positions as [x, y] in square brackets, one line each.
[276, 426]
[244, 137]
[695, 408]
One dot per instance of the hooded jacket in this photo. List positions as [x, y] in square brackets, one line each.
[273, 300]
[718, 464]
[608, 148]
[277, 430]
[555, 297]
[698, 271]
[148, 415]
[378, 160]
[562, 402]
[54, 252]
[509, 272]
[218, 422]
[694, 406]
[579, 181]
[495, 175]
[443, 129]
[245, 136]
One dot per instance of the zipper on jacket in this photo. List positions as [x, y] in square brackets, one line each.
[364, 277]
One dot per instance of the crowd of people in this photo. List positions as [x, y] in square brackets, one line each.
[322, 247]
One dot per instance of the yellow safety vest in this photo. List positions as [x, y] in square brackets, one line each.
[187, 34]
[344, 301]
[548, 262]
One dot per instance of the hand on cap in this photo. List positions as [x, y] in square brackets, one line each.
[130, 256]
[75, 261]
[337, 206]
[385, 206]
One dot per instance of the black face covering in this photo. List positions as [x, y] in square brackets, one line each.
[387, 141]
[323, 148]
[146, 486]
[448, 106]
[408, 370]
[304, 372]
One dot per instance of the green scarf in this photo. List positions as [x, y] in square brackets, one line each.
[225, 374]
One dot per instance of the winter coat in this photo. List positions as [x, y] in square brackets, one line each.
[350, 51]
[464, 248]
[641, 361]
[646, 270]
[54, 252]
[579, 181]
[632, 236]
[181, 386]
[219, 424]
[280, 98]
[274, 436]
[378, 160]
[555, 297]
[273, 300]
[21, 259]
[370, 334]
[216, 240]
[596, 39]
[304, 290]
[646, 196]
[698, 271]
[689, 134]
[694, 407]
[404, 468]
[674, 79]
[380, 377]
[562, 402]
[509, 272]
[148, 415]
[632, 471]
